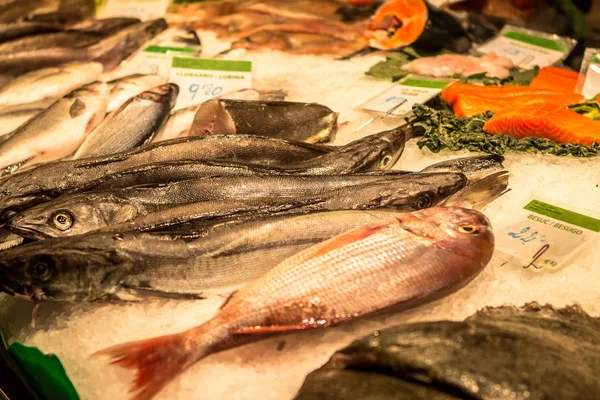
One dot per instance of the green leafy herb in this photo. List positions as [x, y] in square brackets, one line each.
[590, 109]
[444, 130]
[391, 68]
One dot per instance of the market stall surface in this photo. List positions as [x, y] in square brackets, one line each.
[275, 368]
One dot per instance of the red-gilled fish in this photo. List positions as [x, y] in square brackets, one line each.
[382, 264]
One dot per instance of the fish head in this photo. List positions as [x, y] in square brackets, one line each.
[154, 27]
[71, 215]
[460, 230]
[474, 168]
[166, 94]
[431, 189]
[20, 191]
[69, 269]
[385, 148]
[137, 34]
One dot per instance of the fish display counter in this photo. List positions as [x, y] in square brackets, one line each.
[310, 199]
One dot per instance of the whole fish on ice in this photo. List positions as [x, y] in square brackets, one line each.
[57, 131]
[357, 273]
[83, 212]
[39, 89]
[133, 124]
[42, 183]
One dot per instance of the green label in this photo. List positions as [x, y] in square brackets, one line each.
[425, 83]
[561, 214]
[213, 65]
[596, 58]
[538, 41]
[164, 50]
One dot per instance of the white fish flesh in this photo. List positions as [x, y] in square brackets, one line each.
[452, 64]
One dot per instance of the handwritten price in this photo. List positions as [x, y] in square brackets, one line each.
[532, 236]
[209, 89]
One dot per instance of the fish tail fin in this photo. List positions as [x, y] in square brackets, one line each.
[482, 192]
[157, 361]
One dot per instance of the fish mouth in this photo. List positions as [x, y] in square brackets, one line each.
[21, 290]
[26, 232]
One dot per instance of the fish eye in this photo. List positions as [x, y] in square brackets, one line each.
[62, 220]
[385, 161]
[424, 201]
[7, 215]
[467, 229]
[42, 270]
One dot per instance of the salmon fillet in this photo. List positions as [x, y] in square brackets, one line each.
[452, 93]
[549, 121]
[468, 104]
[555, 78]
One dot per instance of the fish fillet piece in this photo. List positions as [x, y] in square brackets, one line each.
[468, 105]
[555, 78]
[396, 24]
[452, 64]
[452, 93]
[549, 121]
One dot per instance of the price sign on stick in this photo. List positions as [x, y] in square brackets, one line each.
[546, 237]
[410, 90]
[527, 48]
[203, 79]
[589, 75]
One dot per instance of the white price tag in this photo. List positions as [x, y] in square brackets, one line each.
[153, 60]
[142, 9]
[527, 48]
[546, 237]
[589, 75]
[400, 98]
[202, 79]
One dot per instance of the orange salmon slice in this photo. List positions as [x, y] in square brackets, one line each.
[555, 78]
[397, 23]
[557, 123]
[453, 92]
[468, 105]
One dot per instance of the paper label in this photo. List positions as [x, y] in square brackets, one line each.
[141, 9]
[545, 236]
[589, 75]
[153, 60]
[527, 48]
[400, 98]
[202, 79]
